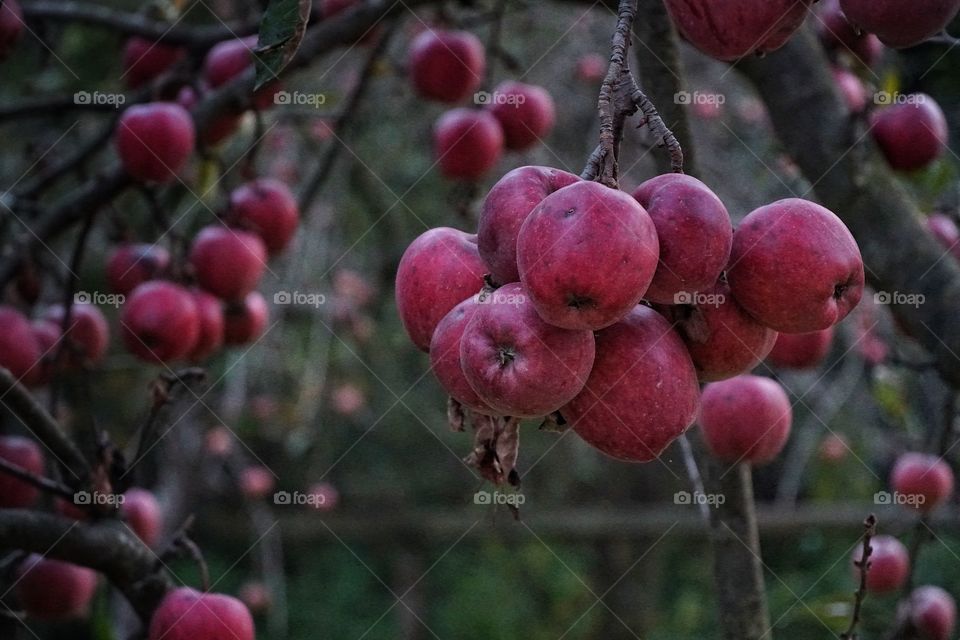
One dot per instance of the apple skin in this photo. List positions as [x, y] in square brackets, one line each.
[642, 393]
[228, 59]
[723, 340]
[921, 474]
[187, 614]
[525, 111]
[25, 453]
[228, 262]
[160, 322]
[20, 350]
[851, 89]
[586, 255]
[731, 30]
[89, 330]
[211, 319]
[837, 33]
[144, 60]
[268, 208]
[245, 322]
[933, 612]
[889, 564]
[901, 24]
[446, 66]
[911, 134]
[155, 140]
[745, 419]
[132, 264]
[467, 143]
[54, 590]
[795, 267]
[445, 356]
[801, 350]
[506, 206]
[439, 269]
[143, 514]
[11, 27]
[518, 364]
[694, 231]
[944, 229]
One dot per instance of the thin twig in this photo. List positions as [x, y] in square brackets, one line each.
[40, 482]
[863, 565]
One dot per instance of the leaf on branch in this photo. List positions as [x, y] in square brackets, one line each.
[281, 32]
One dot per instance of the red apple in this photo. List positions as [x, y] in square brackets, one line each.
[54, 590]
[256, 482]
[933, 613]
[228, 59]
[801, 350]
[89, 331]
[220, 127]
[591, 68]
[210, 316]
[133, 264]
[745, 419]
[911, 133]
[155, 140]
[245, 322]
[11, 27]
[268, 208]
[144, 60]
[143, 514]
[944, 229]
[219, 441]
[347, 399]
[160, 322]
[228, 262]
[323, 496]
[446, 66]
[525, 111]
[889, 564]
[837, 33]
[467, 143]
[256, 596]
[834, 448]
[19, 349]
[925, 480]
[851, 89]
[26, 454]
[445, 356]
[186, 614]
[901, 24]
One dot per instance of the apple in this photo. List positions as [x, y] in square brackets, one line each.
[143, 514]
[694, 232]
[218, 441]
[155, 140]
[642, 393]
[801, 350]
[925, 479]
[26, 454]
[268, 208]
[256, 596]
[586, 255]
[354, 287]
[525, 111]
[47, 334]
[20, 351]
[731, 30]
[220, 127]
[911, 133]
[132, 264]
[506, 206]
[851, 89]
[211, 321]
[834, 448]
[11, 27]
[144, 60]
[795, 267]
[160, 322]
[348, 400]
[53, 590]
[944, 229]
[517, 364]
[591, 68]
[228, 262]
[256, 482]
[933, 613]
[228, 59]
[889, 564]
[837, 33]
[901, 24]
[446, 66]
[438, 270]
[245, 322]
[467, 143]
[745, 419]
[89, 331]
[323, 496]
[445, 356]
[187, 614]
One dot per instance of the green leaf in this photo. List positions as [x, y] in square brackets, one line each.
[281, 31]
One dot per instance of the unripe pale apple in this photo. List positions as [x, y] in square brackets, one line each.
[11, 27]
[54, 590]
[901, 24]
[745, 419]
[642, 393]
[912, 133]
[160, 322]
[795, 267]
[19, 349]
[506, 206]
[732, 30]
[142, 513]
[132, 264]
[26, 454]
[244, 322]
[439, 269]
[445, 356]
[586, 255]
[933, 613]
[925, 479]
[155, 140]
[801, 350]
[518, 364]
[467, 143]
[88, 332]
[228, 262]
[944, 229]
[187, 614]
[694, 232]
[446, 66]
[525, 111]
[268, 208]
[889, 564]
[210, 316]
[144, 60]
[837, 33]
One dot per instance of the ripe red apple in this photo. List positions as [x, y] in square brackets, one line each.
[525, 111]
[745, 419]
[944, 229]
[695, 235]
[228, 262]
[801, 350]
[933, 613]
[133, 264]
[160, 322]
[228, 59]
[851, 89]
[911, 133]
[210, 316]
[732, 30]
[642, 393]
[467, 143]
[723, 339]
[837, 33]
[323, 496]
[268, 208]
[517, 364]
[143, 514]
[26, 454]
[11, 27]
[144, 60]
[155, 140]
[591, 68]
[506, 206]
[89, 331]
[256, 482]
[19, 349]
[926, 479]
[438, 270]
[221, 127]
[889, 564]
[244, 322]
[445, 356]
[901, 24]
[446, 66]
[187, 614]
[586, 255]
[795, 267]
[53, 590]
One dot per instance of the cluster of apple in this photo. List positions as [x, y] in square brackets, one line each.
[448, 66]
[541, 310]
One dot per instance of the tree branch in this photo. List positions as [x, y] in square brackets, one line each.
[863, 567]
